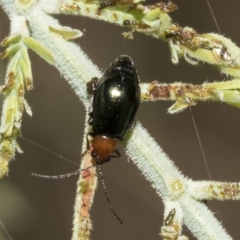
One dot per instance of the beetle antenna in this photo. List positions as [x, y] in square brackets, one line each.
[105, 192]
[62, 175]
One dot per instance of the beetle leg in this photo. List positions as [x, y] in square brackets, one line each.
[131, 124]
[93, 155]
[117, 154]
[105, 160]
[90, 120]
[91, 135]
[91, 85]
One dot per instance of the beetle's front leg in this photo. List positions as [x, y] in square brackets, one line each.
[117, 154]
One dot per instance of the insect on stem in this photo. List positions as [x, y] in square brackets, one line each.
[116, 97]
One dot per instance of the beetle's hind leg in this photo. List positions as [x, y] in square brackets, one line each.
[91, 86]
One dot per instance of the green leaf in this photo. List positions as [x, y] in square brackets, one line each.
[40, 49]
[11, 51]
[227, 85]
[177, 107]
[66, 32]
[11, 40]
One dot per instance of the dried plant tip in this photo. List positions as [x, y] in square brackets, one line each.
[135, 25]
[13, 39]
[140, 26]
[224, 191]
[41, 50]
[231, 191]
[29, 83]
[208, 190]
[155, 91]
[187, 95]
[163, 7]
[70, 7]
[66, 32]
[131, 4]
[10, 80]
[184, 36]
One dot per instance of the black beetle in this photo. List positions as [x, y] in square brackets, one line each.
[116, 97]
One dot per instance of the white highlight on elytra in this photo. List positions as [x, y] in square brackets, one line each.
[115, 92]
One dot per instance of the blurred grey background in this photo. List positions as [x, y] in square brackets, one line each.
[41, 209]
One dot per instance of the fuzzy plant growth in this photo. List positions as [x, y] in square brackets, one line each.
[33, 26]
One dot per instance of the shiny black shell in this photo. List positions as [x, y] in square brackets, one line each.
[115, 99]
